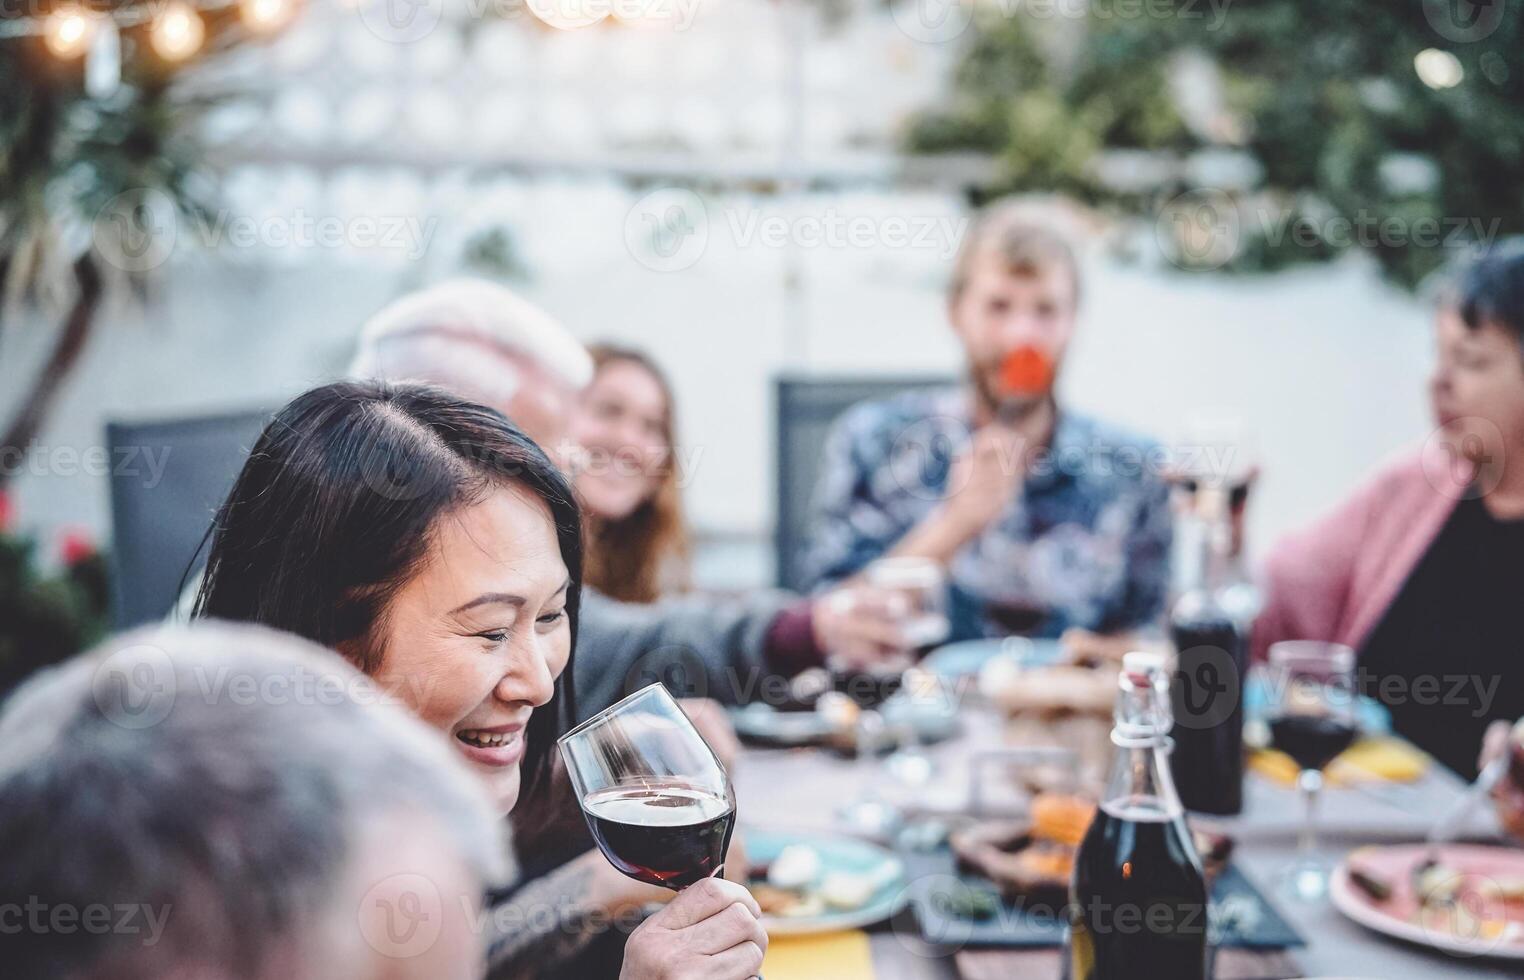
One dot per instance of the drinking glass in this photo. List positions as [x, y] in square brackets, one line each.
[658, 801]
[1312, 718]
[916, 591]
[921, 585]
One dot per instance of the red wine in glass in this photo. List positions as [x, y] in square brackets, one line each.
[1015, 618]
[657, 800]
[670, 834]
[1313, 740]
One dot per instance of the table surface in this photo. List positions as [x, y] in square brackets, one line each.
[804, 788]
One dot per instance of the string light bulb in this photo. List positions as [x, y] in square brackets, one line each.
[69, 31]
[1438, 69]
[266, 15]
[177, 31]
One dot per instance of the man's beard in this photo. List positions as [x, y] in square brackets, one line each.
[984, 379]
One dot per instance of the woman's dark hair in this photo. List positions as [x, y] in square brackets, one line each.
[335, 507]
[1490, 289]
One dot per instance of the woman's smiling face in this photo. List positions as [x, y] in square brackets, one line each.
[474, 641]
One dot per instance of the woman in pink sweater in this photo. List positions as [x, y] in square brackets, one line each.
[1422, 569]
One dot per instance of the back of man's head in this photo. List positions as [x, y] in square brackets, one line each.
[223, 802]
[484, 342]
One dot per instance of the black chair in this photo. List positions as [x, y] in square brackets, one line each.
[806, 409]
[158, 524]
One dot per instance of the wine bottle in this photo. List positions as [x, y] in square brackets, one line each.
[1212, 651]
[1138, 899]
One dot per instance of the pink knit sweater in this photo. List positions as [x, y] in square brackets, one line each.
[1335, 579]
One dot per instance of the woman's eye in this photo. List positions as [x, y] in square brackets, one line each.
[550, 619]
[496, 636]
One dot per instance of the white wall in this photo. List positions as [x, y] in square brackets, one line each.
[1327, 364]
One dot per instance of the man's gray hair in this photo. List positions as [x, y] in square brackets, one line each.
[216, 779]
[439, 334]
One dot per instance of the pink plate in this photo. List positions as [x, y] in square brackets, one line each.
[1487, 918]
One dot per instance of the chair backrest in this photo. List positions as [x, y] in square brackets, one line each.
[806, 409]
[160, 517]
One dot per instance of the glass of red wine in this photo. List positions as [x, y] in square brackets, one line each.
[1312, 719]
[658, 801]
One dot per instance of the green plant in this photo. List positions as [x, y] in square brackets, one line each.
[80, 178]
[47, 617]
[1391, 129]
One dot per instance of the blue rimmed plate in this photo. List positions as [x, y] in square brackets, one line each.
[837, 854]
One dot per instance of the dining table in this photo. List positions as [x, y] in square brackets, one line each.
[805, 788]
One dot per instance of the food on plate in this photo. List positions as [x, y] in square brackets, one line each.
[795, 884]
[1084, 648]
[796, 867]
[1440, 895]
[1020, 865]
[1054, 691]
[1062, 819]
[1032, 860]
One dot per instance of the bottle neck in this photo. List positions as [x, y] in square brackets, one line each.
[1140, 773]
[1140, 776]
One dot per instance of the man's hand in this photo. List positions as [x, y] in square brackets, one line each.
[860, 625]
[986, 478]
[981, 484]
[710, 931]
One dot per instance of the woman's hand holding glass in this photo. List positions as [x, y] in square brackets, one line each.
[710, 931]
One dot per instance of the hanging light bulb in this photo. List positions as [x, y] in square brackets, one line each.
[265, 16]
[177, 31]
[69, 31]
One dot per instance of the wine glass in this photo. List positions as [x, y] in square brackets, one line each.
[1219, 452]
[658, 801]
[921, 585]
[915, 589]
[1312, 718]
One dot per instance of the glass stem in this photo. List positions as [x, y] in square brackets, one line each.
[1310, 782]
[870, 733]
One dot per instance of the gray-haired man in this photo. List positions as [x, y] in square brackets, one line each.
[229, 802]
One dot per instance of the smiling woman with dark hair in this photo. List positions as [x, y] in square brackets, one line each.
[429, 541]
[433, 544]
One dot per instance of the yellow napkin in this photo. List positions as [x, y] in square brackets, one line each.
[1380, 758]
[837, 955]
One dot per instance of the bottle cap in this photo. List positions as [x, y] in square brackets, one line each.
[1143, 661]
